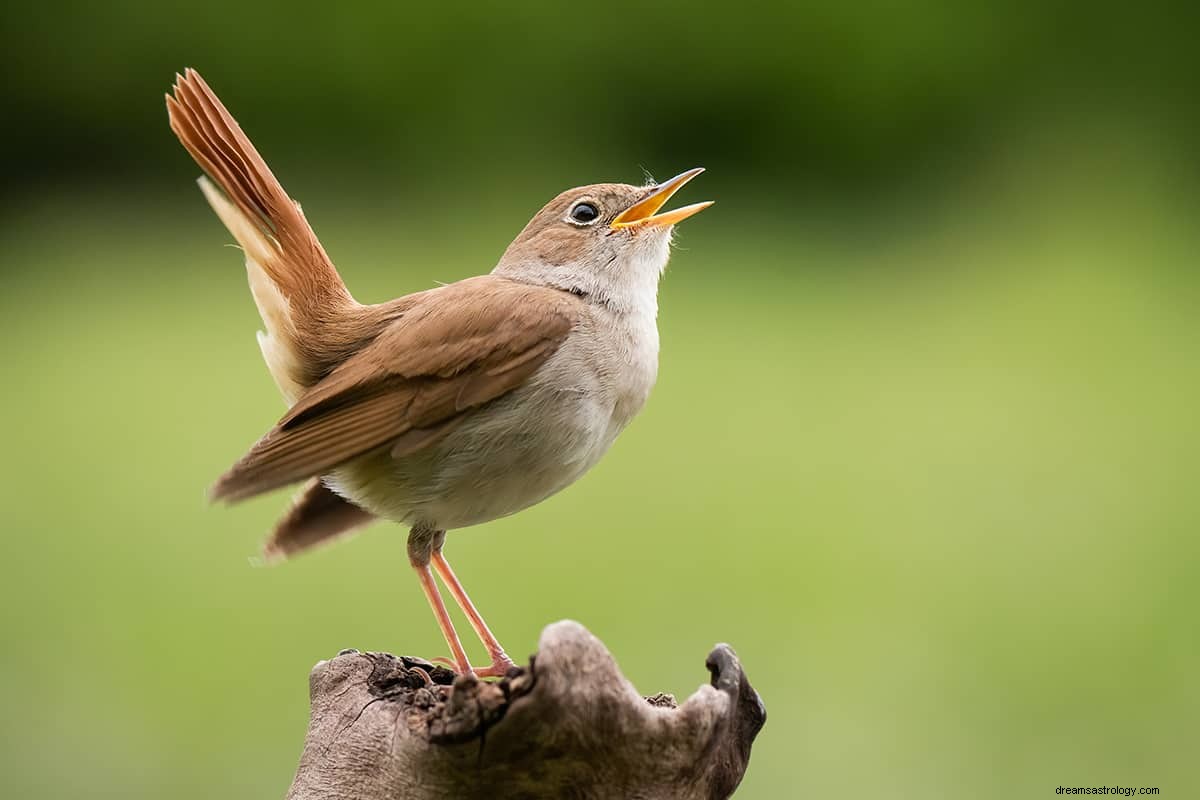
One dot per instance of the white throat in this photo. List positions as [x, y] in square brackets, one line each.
[627, 285]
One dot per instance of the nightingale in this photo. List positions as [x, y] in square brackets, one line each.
[448, 407]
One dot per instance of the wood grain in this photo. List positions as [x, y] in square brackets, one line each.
[567, 725]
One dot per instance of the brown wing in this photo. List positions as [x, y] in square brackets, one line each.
[454, 349]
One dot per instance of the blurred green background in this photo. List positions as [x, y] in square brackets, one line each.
[924, 446]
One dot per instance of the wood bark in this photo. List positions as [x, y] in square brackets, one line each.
[568, 725]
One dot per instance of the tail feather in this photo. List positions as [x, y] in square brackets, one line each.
[312, 323]
[295, 285]
[250, 237]
[317, 516]
[223, 151]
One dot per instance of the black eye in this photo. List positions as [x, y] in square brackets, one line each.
[584, 212]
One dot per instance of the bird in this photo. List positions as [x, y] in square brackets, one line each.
[449, 407]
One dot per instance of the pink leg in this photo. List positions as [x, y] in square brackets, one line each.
[500, 661]
[462, 665]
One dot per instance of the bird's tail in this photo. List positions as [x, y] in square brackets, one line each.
[317, 516]
[296, 286]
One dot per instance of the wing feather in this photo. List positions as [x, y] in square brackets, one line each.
[454, 350]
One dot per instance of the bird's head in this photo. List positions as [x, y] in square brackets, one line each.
[606, 242]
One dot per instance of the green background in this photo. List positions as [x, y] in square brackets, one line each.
[924, 446]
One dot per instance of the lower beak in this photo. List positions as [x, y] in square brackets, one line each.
[641, 214]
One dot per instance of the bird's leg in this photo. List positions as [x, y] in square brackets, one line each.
[500, 660]
[421, 543]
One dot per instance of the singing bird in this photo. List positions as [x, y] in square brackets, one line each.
[448, 407]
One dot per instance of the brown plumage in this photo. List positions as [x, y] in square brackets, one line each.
[318, 323]
[412, 382]
[317, 515]
[444, 408]
[398, 373]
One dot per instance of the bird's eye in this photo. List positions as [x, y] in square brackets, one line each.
[584, 213]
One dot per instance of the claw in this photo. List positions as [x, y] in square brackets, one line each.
[498, 668]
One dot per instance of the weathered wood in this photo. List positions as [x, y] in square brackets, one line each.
[569, 725]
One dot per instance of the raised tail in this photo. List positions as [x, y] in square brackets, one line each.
[296, 287]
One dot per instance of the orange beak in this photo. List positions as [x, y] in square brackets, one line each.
[641, 213]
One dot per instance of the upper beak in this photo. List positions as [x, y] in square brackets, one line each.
[642, 213]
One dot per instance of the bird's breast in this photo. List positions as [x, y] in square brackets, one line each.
[521, 448]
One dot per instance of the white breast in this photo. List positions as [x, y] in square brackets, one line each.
[526, 446]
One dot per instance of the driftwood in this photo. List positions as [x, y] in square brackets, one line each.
[569, 725]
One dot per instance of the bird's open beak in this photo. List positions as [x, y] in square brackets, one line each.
[641, 213]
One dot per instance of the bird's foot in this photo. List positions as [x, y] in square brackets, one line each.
[499, 667]
[446, 662]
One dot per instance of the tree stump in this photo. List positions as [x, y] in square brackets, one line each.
[569, 725]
